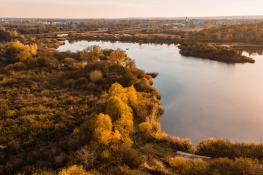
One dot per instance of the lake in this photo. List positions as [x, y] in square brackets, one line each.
[202, 98]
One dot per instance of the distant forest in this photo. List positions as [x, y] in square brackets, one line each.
[232, 33]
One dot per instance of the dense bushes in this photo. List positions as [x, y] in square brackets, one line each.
[186, 167]
[225, 148]
[101, 75]
[45, 109]
[221, 166]
[241, 166]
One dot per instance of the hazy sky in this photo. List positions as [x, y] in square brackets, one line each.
[128, 8]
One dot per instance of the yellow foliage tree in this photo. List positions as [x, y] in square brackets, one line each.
[151, 129]
[115, 107]
[118, 107]
[125, 126]
[116, 90]
[145, 128]
[118, 54]
[122, 115]
[103, 129]
[74, 170]
[127, 95]
[120, 57]
[116, 137]
[117, 124]
[132, 95]
[17, 51]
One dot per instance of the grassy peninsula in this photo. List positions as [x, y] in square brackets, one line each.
[213, 52]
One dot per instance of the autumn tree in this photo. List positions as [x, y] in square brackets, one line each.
[120, 57]
[17, 51]
[103, 130]
[91, 54]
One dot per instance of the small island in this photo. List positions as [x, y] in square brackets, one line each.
[213, 52]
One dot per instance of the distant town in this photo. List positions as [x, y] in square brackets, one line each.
[175, 23]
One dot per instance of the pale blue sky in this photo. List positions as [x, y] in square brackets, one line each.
[128, 8]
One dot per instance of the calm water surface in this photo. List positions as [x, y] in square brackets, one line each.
[202, 98]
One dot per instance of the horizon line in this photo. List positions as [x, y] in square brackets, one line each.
[112, 18]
